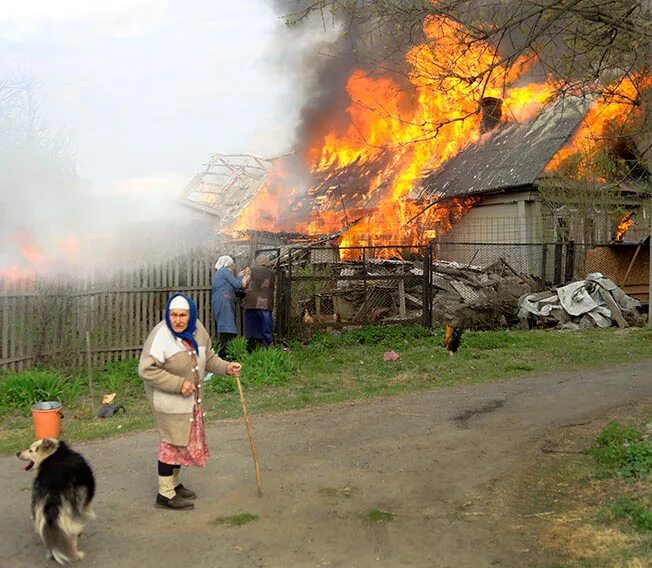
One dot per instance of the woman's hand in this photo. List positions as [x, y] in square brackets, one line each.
[187, 388]
[233, 369]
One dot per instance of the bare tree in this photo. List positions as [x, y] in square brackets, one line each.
[576, 42]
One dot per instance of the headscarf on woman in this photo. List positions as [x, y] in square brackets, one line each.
[224, 262]
[176, 301]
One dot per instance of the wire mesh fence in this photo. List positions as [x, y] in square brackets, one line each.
[322, 288]
[327, 288]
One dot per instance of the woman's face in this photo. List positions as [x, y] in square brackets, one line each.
[179, 319]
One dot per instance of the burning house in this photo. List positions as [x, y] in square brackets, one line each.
[435, 154]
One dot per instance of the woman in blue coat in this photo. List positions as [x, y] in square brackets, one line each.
[225, 287]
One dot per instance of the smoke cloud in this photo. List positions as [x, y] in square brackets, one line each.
[51, 222]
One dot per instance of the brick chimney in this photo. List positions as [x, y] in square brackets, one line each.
[492, 111]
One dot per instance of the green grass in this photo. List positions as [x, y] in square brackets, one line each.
[330, 369]
[379, 516]
[236, 520]
[621, 451]
[635, 511]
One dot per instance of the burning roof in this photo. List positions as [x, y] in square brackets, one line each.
[511, 156]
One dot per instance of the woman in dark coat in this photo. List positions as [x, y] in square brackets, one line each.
[225, 287]
[259, 304]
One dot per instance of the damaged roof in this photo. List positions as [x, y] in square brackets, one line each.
[511, 156]
[227, 183]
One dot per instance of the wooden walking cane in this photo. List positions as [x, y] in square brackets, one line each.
[250, 434]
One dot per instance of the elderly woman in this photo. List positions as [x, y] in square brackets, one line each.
[174, 360]
[225, 287]
[259, 304]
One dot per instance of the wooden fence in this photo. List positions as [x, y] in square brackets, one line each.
[63, 322]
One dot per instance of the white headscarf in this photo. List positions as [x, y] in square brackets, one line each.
[224, 262]
[179, 303]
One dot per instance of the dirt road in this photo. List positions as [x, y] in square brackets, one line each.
[438, 460]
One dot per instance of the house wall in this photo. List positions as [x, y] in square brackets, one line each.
[500, 226]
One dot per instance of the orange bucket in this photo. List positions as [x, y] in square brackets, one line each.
[47, 419]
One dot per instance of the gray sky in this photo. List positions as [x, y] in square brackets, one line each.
[147, 89]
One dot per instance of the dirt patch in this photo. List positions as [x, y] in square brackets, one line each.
[486, 408]
[444, 495]
[555, 499]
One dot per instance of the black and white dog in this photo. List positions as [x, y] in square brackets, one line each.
[61, 496]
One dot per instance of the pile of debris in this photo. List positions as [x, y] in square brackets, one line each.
[392, 291]
[478, 297]
[593, 302]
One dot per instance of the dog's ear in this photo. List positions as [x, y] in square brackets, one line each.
[48, 444]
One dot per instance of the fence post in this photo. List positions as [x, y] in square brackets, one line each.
[544, 264]
[289, 294]
[427, 289]
[570, 262]
[364, 284]
[559, 246]
[649, 281]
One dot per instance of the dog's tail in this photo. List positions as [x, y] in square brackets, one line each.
[59, 529]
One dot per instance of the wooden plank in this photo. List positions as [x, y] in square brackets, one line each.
[131, 331]
[138, 316]
[149, 296]
[12, 328]
[613, 307]
[4, 352]
[121, 316]
[636, 289]
[401, 299]
[416, 301]
[629, 268]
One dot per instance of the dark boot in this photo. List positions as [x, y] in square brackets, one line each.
[184, 492]
[176, 503]
[167, 498]
[179, 489]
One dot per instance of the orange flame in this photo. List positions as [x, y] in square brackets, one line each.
[624, 225]
[612, 113]
[395, 131]
[29, 258]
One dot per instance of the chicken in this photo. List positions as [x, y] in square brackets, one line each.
[336, 317]
[452, 338]
[307, 317]
[310, 319]
[378, 313]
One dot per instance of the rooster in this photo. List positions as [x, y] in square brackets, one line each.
[452, 338]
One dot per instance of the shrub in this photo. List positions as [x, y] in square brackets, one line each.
[236, 350]
[271, 366]
[620, 451]
[267, 367]
[18, 391]
[119, 377]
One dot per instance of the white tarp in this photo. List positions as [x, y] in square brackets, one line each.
[571, 303]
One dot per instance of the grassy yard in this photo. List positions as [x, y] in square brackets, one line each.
[330, 369]
[590, 503]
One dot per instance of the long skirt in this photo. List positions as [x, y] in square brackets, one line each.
[196, 452]
[259, 325]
